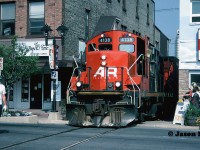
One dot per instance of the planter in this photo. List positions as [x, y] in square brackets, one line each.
[192, 121]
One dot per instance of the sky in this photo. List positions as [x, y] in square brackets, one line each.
[167, 20]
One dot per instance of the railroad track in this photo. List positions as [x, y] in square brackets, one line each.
[59, 133]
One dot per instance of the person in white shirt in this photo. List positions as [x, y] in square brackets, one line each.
[2, 98]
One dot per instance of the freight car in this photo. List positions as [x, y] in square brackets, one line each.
[121, 79]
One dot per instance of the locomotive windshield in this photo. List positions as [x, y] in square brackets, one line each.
[105, 47]
[127, 47]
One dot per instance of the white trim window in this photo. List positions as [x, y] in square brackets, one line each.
[36, 17]
[195, 11]
[7, 19]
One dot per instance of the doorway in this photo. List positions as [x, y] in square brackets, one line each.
[36, 92]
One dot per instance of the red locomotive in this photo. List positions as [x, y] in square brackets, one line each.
[121, 81]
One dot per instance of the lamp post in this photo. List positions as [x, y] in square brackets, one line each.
[62, 31]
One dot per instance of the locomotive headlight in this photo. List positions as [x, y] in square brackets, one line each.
[118, 84]
[102, 35]
[103, 57]
[78, 84]
[103, 63]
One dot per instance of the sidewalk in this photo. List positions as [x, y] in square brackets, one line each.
[37, 117]
[168, 125]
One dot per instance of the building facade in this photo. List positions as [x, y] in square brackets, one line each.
[27, 17]
[189, 45]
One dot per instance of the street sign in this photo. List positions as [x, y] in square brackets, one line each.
[54, 74]
[1, 63]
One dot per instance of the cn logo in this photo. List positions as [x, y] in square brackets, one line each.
[102, 72]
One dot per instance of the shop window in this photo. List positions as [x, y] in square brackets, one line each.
[11, 94]
[36, 17]
[25, 90]
[7, 19]
[195, 77]
[195, 16]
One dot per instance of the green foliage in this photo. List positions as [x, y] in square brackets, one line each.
[191, 116]
[192, 111]
[16, 64]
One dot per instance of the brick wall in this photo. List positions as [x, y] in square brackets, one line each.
[183, 82]
[53, 15]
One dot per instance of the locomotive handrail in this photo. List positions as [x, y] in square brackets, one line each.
[68, 87]
[94, 47]
[133, 83]
[135, 62]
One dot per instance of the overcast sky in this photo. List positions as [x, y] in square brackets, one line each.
[167, 20]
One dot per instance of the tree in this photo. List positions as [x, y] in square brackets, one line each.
[16, 64]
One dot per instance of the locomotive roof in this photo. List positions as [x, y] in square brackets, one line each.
[105, 23]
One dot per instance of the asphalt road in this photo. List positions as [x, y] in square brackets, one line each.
[61, 137]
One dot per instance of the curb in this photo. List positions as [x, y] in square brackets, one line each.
[22, 119]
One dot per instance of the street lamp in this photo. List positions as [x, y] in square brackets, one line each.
[47, 30]
[62, 31]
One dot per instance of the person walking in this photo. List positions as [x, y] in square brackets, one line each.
[196, 97]
[2, 98]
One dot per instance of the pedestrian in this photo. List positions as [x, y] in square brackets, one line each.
[195, 97]
[2, 98]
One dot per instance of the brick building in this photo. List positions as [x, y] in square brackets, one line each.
[27, 17]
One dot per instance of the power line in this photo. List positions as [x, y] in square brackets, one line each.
[167, 9]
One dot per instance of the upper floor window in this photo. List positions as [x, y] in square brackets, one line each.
[36, 17]
[87, 22]
[124, 5]
[147, 14]
[195, 18]
[7, 19]
[137, 9]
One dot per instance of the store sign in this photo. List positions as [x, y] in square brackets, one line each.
[181, 109]
[36, 48]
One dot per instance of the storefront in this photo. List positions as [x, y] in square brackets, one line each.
[35, 92]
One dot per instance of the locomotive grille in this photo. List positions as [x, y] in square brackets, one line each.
[116, 116]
